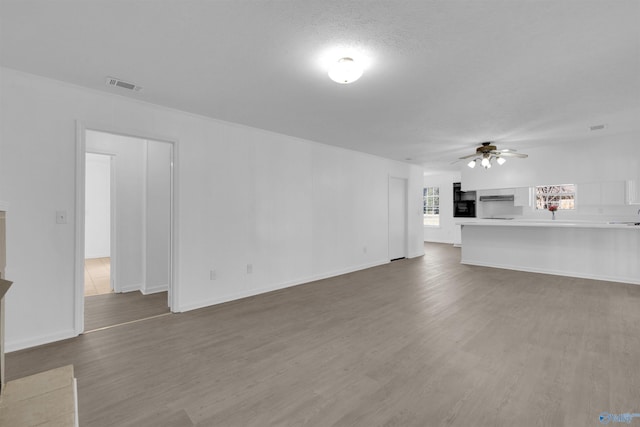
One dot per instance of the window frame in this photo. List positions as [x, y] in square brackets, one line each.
[561, 195]
[435, 206]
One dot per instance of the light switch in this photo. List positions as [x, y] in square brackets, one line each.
[61, 217]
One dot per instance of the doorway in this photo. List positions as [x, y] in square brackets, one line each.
[125, 243]
[97, 221]
[397, 218]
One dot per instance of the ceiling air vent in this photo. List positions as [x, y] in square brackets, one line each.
[112, 81]
[597, 127]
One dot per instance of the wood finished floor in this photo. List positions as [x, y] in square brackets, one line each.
[420, 342]
[113, 309]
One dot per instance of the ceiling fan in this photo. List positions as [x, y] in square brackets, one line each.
[487, 152]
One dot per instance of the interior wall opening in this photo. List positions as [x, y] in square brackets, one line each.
[128, 232]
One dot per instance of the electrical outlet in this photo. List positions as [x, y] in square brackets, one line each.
[249, 268]
[213, 275]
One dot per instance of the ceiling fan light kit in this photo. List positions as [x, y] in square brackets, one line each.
[487, 152]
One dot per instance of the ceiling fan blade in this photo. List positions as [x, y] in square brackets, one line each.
[468, 157]
[510, 154]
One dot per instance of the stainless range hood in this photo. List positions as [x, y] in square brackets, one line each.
[497, 198]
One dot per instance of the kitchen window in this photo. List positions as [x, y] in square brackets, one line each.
[431, 206]
[563, 196]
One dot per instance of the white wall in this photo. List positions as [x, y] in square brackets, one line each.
[294, 209]
[97, 206]
[158, 208]
[129, 170]
[446, 232]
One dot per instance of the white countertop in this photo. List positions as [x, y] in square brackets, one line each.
[558, 223]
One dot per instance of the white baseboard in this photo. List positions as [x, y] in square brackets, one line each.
[148, 290]
[628, 280]
[447, 241]
[99, 255]
[275, 287]
[36, 341]
[131, 288]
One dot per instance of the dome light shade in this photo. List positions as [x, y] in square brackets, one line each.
[345, 71]
[501, 161]
[486, 163]
[472, 164]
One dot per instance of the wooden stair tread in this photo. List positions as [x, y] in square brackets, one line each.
[44, 399]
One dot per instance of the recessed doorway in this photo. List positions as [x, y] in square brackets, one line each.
[127, 233]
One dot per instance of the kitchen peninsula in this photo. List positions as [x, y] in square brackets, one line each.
[593, 250]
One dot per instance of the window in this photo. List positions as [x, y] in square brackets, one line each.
[562, 196]
[431, 203]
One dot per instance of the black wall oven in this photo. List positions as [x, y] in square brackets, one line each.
[464, 202]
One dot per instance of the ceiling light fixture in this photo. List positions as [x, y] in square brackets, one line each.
[488, 152]
[486, 161]
[345, 71]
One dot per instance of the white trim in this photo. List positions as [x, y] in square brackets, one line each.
[130, 288]
[39, 340]
[605, 278]
[145, 185]
[79, 228]
[154, 289]
[415, 254]
[173, 300]
[113, 224]
[278, 286]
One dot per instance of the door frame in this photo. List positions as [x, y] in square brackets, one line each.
[81, 131]
[405, 182]
[113, 258]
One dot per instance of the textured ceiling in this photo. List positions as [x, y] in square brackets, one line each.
[440, 77]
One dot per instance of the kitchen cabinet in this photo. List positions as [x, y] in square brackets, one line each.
[522, 196]
[633, 192]
[608, 193]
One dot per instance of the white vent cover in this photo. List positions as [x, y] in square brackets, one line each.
[112, 81]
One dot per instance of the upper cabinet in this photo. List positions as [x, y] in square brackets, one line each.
[522, 196]
[633, 192]
[610, 193]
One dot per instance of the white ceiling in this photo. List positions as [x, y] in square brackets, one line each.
[441, 76]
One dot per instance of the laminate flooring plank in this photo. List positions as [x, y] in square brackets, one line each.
[419, 342]
[113, 309]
